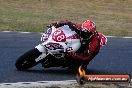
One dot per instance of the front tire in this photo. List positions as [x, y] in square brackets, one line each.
[27, 60]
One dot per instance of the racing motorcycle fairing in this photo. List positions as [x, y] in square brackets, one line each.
[58, 39]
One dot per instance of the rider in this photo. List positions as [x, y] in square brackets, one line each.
[91, 41]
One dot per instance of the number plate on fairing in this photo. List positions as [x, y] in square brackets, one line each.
[59, 36]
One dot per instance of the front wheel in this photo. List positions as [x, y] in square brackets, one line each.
[27, 60]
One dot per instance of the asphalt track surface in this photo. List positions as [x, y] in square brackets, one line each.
[115, 58]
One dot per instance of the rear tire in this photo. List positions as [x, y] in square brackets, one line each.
[27, 60]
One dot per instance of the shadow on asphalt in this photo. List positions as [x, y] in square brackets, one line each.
[66, 71]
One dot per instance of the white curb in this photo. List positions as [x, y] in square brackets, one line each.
[39, 84]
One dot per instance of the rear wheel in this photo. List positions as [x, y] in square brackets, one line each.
[27, 60]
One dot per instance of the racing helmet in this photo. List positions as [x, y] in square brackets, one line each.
[88, 28]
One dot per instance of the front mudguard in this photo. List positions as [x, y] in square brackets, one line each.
[41, 48]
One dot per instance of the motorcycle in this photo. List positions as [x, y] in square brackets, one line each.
[52, 51]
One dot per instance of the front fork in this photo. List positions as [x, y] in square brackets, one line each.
[41, 49]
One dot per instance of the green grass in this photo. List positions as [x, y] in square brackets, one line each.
[112, 17]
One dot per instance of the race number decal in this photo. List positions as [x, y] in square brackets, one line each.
[59, 36]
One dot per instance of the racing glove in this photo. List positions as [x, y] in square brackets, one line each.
[69, 52]
[55, 24]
